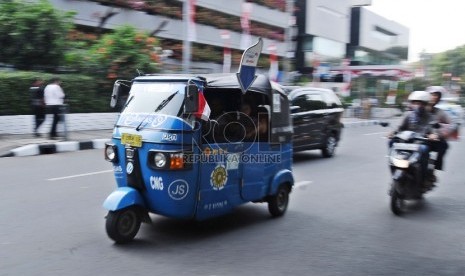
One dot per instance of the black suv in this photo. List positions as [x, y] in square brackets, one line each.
[316, 114]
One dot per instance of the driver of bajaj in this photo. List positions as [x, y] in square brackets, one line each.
[419, 120]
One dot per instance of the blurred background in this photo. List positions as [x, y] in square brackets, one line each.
[340, 44]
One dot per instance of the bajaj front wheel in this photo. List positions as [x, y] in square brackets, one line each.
[123, 225]
[397, 203]
[277, 204]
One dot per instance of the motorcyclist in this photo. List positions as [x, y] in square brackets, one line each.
[441, 117]
[418, 120]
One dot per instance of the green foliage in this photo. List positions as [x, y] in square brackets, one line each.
[83, 94]
[417, 84]
[452, 61]
[120, 54]
[32, 34]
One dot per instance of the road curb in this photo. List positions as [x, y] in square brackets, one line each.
[50, 148]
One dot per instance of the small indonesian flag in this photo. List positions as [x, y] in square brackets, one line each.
[204, 108]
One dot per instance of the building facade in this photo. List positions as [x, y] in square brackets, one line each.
[341, 30]
[323, 32]
[218, 23]
[309, 33]
[376, 40]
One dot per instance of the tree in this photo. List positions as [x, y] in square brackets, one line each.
[122, 53]
[32, 34]
[451, 61]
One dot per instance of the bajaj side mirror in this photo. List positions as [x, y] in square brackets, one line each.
[120, 93]
[191, 99]
[115, 94]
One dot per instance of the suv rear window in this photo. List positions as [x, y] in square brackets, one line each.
[332, 100]
[310, 100]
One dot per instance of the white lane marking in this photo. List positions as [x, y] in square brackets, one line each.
[78, 175]
[376, 133]
[302, 185]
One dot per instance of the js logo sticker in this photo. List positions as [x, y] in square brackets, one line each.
[178, 189]
[219, 177]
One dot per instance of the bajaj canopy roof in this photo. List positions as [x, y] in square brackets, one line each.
[261, 84]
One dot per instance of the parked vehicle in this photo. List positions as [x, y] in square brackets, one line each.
[316, 116]
[170, 159]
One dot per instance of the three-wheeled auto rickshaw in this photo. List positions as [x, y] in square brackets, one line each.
[195, 147]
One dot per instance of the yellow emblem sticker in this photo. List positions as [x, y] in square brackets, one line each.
[219, 177]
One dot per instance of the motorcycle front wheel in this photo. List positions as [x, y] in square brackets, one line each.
[397, 203]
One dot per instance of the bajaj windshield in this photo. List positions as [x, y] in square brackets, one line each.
[160, 98]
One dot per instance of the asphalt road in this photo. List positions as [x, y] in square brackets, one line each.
[338, 222]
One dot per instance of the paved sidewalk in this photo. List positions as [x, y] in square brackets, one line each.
[84, 131]
[27, 144]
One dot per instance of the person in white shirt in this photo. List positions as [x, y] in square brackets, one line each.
[54, 98]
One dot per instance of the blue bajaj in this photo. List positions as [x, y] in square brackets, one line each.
[195, 147]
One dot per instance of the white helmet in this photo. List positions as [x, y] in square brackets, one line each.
[436, 89]
[422, 96]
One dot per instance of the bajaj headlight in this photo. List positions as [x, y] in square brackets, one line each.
[167, 160]
[110, 153]
[159, 159]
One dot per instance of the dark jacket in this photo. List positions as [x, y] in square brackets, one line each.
[418, 123]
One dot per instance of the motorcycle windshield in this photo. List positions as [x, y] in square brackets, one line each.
[165, 98]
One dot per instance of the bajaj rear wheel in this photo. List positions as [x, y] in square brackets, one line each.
[397, 203]
[123, 225]
[277, 204]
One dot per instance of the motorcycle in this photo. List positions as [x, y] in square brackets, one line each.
[412, 169]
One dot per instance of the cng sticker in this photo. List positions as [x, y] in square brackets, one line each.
[156, 182]
[219, 177]
[178, 189]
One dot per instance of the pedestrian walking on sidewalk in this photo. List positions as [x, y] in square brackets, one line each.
[37, 103]
[54, 99]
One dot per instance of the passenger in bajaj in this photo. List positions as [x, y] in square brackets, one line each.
[244, 120]
[419, 120]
